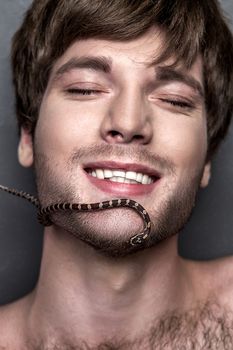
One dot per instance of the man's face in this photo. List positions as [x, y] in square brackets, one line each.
[106, 109]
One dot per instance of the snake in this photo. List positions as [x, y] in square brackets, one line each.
[44, 214]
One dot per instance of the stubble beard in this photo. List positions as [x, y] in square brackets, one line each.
[109, 231]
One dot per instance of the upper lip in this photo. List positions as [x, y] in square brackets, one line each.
[139, 168]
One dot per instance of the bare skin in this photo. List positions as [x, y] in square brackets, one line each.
[85, 296]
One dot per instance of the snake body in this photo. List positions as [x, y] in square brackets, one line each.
[44, 214]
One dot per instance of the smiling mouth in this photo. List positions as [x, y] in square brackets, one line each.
[122, 176]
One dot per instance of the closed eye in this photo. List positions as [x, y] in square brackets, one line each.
[178, 103]
[84, 92]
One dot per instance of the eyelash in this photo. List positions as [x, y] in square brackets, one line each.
[89, 92]
[179, 104]
[84, 92]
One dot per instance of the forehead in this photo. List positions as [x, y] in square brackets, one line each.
[139, 53]
[139, 50]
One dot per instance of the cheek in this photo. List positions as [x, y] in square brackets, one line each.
[63, 126]
[183, 139]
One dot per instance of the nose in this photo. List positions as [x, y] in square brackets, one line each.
[127, 119]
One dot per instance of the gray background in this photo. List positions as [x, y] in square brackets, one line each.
[208, 235]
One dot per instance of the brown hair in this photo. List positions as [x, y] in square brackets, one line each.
[191, 27]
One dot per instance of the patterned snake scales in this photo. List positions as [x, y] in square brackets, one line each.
[43, 214]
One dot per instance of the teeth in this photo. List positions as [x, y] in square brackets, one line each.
[117, 179]
[122, 180]
[113, 179]
[145, 179]
[107, 173]
[120, 173]
[129, 177]
[133, 182]
[127, 181]
[100, 173]
[139, 177]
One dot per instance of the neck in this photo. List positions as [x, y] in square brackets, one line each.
[81, 292]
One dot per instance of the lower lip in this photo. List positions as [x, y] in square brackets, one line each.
[122, 189]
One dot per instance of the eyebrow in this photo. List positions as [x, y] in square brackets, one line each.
[164, 74]
[168, 74]
[100, 64]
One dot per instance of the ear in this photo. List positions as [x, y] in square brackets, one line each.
[25, 148]
[206, 175]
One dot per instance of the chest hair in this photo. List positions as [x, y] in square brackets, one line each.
[207, 326]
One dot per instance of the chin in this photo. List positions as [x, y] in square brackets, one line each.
[107, 232]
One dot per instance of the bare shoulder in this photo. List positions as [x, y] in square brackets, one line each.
[212, 277]
[12, 324]
[206, 324]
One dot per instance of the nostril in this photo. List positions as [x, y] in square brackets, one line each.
[115, 136]
[114, 133]
[125, 137]
[138, 137]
